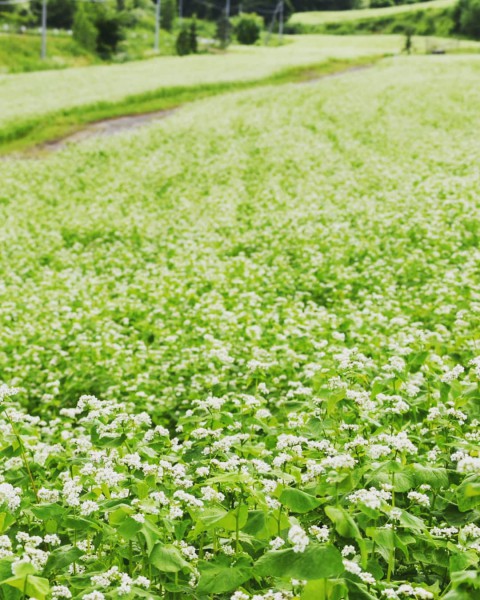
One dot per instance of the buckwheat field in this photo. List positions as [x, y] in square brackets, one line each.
[239, 350]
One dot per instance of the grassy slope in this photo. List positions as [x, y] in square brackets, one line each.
[20, 53]
[85, 95]
[323, 17]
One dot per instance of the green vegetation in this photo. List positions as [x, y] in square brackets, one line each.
[322, 18]
[247, 28]
[467, 18]
[239, 356]
[440, 18]
[438, 23]
[21, 53]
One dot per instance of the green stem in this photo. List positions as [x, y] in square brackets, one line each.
[237, 528]
[24, 456]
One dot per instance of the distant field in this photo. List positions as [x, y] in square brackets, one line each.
[322, 17]
[40, 107]
[29, 95]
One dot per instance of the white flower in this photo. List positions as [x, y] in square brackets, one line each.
[419, 498]
[49, 496]
[239, 596]
[443, 532]
[372, 498]
[93, 596]
[321, 533]
[353, 567]
[139, 518]
[469, 464]
[453, 374]
[10, 496]
[298, 537]
[348, 550]
[277, 543]
[60, 591]
[52, 539]
[7, 392]
[88, 507]
[142, 581]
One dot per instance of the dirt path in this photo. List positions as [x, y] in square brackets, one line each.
[107, 128]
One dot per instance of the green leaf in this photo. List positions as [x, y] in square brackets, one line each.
[151, 533]
[229, 521]
[49, 511]
[316, 562]
[316, 589]
[412, 522]
[210, 517]
[220, 577]
[344, 524]
[257, 525]
[129, 528]
[24, 568]
[80, 524]
[462, 560]
[387, 541]
[432, 476]
[61, 558]
[6, 519]
[118, 515]
[168, 559]
[298, 501]
[34, 586]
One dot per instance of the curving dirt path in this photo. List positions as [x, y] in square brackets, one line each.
[107, 128]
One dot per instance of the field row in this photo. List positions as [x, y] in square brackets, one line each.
[245, 343]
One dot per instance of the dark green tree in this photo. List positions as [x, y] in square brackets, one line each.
[60, 12]
[467, 17]
[183, 43]
[169, 13]
[192, 33]
[248, 28]
[98, 28]
[84, 29]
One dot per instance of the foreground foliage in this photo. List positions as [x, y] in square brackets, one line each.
[250, 369]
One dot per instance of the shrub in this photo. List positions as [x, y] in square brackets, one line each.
[182, 44]
[192, 36]
[110, 32]
[97, 29]
[248, 28]
[169, 12]
[84, 29]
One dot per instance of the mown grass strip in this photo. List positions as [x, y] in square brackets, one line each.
[29, 133]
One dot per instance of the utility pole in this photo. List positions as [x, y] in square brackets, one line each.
[158, 9]
[272, 23]
[44, 29]
[180, 11]
[280, 22]
[227, 9]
